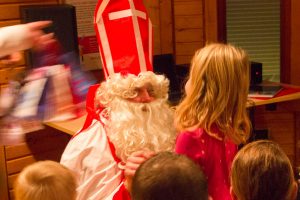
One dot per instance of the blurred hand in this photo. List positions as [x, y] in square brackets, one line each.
[135, 160]
[23, 36]
[34, 35]
[44, 41]
[132, 164]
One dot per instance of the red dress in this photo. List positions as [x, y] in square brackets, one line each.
[213, 155]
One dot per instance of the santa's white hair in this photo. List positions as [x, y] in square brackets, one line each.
[135, 126]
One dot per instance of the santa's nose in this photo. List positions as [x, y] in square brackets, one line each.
[144, 96]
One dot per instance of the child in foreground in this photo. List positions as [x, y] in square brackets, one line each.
[169, 176]
[262, 171]
[45, 180]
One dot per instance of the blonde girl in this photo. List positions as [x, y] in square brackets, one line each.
[212, 118]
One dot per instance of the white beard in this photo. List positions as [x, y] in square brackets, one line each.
[137, 126]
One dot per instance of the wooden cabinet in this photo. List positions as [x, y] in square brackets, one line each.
[47, 144]
[282, 121]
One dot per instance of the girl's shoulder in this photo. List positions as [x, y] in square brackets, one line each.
[189, 142]
[198, 132]
[192, 132]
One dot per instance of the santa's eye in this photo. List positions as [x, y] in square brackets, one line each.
[151, 91]
[145, 90]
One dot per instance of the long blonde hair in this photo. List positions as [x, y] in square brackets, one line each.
[219, 82]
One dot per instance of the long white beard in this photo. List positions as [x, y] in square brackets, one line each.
[137, 126]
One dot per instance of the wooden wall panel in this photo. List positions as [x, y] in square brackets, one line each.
[188, 22]
[20, 1]
[188, 7]
[189, 35]
[160, 13]
[188, 29]
[154, 14]
[166, 30]
[211, 21]
[187, 49]
[11, 11]
[295, 43]
[183, 59]
[195, 21]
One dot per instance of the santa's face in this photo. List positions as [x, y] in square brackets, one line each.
[144, 94]
[136, 126]
[137, 115]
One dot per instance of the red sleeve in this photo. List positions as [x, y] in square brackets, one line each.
[92, 112]
[122, 194]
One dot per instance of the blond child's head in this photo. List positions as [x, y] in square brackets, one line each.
[216, 92]
[47, 180]
[262, 171]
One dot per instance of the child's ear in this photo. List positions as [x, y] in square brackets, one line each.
[233, 196]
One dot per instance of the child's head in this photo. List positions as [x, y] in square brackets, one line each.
[47, 180]
[216, 92]
[169, 176]
[262, 171]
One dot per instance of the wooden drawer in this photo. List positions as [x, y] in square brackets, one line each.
[3, 87]
[35, 146]
[11, 180]
[16, 73]
[7, 74]
[4, 75]
[15, 166]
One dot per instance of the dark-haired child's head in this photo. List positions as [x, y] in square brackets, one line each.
[169, 176]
